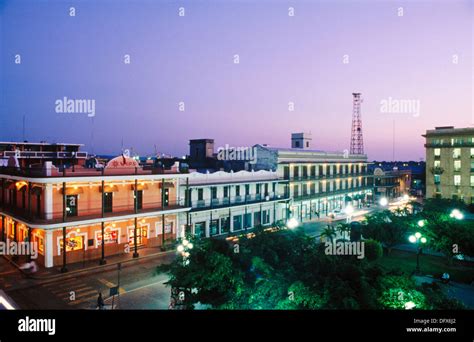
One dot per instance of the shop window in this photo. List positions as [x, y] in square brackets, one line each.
[74, 243]
[214, 227]
[237, 221]
[200, 229]
[225, 225]
[111, 236]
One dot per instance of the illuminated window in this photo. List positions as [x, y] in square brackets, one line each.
[73, 243]
[457, 165]
[437, 163]
[437, 152]
[457, 180]
[472, 180]
[456, 153]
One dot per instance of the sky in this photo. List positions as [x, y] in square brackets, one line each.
[312, 54]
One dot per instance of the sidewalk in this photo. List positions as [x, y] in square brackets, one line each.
[462, 292]
[91, 265]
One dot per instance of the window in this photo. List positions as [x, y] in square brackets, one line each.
[456, 153]
[266, 216]
[437, 179]
[258, 189]
[200, 194]
[247, 189]
[237, 190]
[139, 199]
[305, 189]
[266, 189]
[248, 220]
[226, 191]
[437, 152]
[472, 180]
[71, 205]
[286, 172]
[296, 191]
[457, 180]
[313, 171]
[295, 171]
[108, 201]
[214, 227]
[256, 218]
[437, 164]
[305, 171]
[213, 192]
[472, 152]
[472, 166]
[457, 165]
[225, 225]
[200, 229]
[237, 222]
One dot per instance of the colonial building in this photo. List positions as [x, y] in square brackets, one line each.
[391, 183]
[76, 214]
[450, 163]
[318, 181]
[228, 202]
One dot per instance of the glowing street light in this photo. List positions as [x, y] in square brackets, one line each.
[383, 202]
[184, 249]
[421, 223]
[349, 210]
[417, 238]
[409, 305]
[292, 223]
[457, 214]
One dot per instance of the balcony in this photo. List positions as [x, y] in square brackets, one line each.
[235, 201]
[88, 214]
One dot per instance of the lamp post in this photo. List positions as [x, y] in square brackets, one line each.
[383, 201]
[292, 223]
[184, 249]
[419, 240]
[349, 210]
[457, 214]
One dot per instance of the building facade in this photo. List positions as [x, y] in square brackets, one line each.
[450, 163]
[391, 183]
[227, 202]
[318, 182]
[84, 214]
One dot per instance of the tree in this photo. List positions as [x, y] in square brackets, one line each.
[386, 228]
[373, 250]
[329, 233]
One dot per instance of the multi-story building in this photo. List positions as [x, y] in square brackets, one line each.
[318, 182]
[228, 202]
[450, 163]
[25, 154]
[76, 214]
[390, 182]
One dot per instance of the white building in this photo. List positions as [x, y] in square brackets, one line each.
[228, 202]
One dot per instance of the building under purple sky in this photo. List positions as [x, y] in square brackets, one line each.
[411, 60]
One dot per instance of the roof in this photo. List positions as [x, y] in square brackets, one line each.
[37, 143]
[449, 130]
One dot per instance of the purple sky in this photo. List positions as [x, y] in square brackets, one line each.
[190, 59]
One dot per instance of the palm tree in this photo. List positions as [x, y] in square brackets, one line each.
[329, 233]
[343, 228]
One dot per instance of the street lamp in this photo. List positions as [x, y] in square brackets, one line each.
[421, 223]
[292, 223]
[419, 240]
[409, 305]
[383, 202]
[184, 249]
[349, 210]
[457, 214]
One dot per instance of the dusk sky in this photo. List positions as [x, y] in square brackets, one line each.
[424, 55]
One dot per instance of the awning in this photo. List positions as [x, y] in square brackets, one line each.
[109, 188]
[73, 190]
[140, 187]
[167, 185]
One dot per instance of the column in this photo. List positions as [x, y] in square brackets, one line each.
[64, 268]
[163, 223]
[48, 248]
[102, 229]
[64, 202]
[135, 247]
[48, 201]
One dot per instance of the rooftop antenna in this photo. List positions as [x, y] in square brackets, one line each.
[357, 140]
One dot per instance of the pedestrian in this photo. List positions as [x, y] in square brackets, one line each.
[100, 302]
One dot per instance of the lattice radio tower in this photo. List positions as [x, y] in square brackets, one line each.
[357, 140]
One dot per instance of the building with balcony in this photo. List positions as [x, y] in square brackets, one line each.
[450, 163]
[25, 154]
[78, 213]
[228, 203]
[391, 183]
[318, 181]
